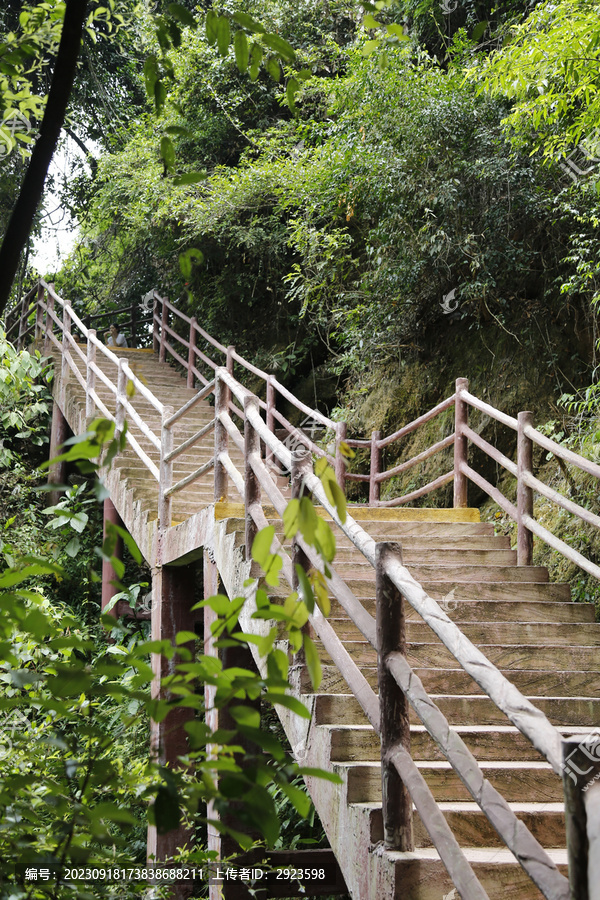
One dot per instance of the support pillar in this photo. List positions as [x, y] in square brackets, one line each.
[220, 718]
[57, 472]
[108, 573]
[172, 599]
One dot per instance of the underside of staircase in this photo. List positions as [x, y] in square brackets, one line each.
[547, 645]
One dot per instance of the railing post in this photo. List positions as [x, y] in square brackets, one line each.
[66, 351]
[49, 322]
[90, 406]
[375, 486]
[155, 336]
[121, 397]
[133, 324]
[340, 462]
[301, 467]
[164, 321]
[251, 482]
[191, 353]
[271, 405]
[581, 779]
[39, 314]
[166, 470]
[229, 363]
[22, 322]
[461, 418]
[221, 437]
[393, 705]
[524, 493]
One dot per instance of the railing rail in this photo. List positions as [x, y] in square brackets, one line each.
[395, 755]
[165, 336]
[403, 785]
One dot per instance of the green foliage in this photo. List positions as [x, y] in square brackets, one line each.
[549, 68]
[24, 401]
[73, 708]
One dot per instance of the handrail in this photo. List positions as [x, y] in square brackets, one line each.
[462, 399]
[530, 721]
[393, 580]
[162, 330]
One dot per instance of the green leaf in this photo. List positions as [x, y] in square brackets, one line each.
[242, 51]
[165, 810]
[261, 545]
[369, 47]
[479, 30]
[307, 519]
[256, 55]
[73, 547]
[321, 593]
[211, 27]
[370, 22]
[248, 22]
[167, 151]
[325, 540]
[277, 665]
[281, 46]
[179, 131]
[291, 89]
[79, 521]
[313, 663]
[150, 74]
[291, 518]
[245, 715]
[127, 540]
[190, 178]
[289, 702]
[182, 14]
[320, 773]
[305, 589]
[273, 68]
[183, 637]
[220, 604]
[299, 799]
[261, 809]
[223, 35]
[396, 31]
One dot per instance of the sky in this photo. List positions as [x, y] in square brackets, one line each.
[60, 230]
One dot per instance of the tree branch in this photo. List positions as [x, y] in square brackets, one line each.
[32, 188]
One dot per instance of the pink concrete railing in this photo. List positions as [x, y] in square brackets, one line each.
[33, 308]
[399, 684]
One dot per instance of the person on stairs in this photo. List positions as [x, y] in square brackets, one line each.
[114, 337]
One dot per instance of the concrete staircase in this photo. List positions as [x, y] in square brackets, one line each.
[170, 388]
[547, 645]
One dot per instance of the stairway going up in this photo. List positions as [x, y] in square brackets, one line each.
[490, 600]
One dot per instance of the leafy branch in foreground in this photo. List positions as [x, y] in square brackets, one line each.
[73, 710]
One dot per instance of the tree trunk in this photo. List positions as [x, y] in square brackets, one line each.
[32, 188]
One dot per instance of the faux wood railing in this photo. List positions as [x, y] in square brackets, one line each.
[399, 685]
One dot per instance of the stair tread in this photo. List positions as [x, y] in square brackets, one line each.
[447, 551]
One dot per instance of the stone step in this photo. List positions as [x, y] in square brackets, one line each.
[421, 875]
[530, 656]
[483, 589]
[531, 682]
[471, 828]
[350, 561]
[344, 709]
[526, 781]
[494, 610]
[351, 743]
[441, 542]
[455, 573]
[493, 632]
